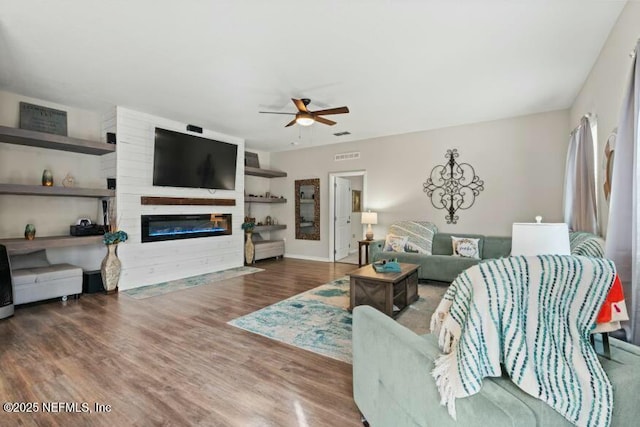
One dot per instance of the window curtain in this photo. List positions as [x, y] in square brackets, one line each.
[623, 231]
[580, 210]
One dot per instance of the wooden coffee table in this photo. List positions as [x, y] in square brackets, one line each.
[388, 292]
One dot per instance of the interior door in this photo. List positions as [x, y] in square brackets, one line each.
[342, 218]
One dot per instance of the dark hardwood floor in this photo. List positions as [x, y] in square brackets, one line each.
[172, 360]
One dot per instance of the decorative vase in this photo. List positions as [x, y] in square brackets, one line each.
[110, 269]
[47, 178]
[249, 249]
[30, 232]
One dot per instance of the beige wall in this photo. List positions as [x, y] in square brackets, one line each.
[521, 161]
[603, 90]
[24, 165]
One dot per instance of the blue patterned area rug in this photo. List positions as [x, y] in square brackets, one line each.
[188, 282]
[319, 321]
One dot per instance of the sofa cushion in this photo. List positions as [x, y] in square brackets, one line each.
[30, 260]
[419, 233]
[496, 247]
[442, 243]
[395, 243]
[465, 247]
[23, 276]
[26, 276]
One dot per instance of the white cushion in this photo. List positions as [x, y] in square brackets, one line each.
[395, 243]
[466, 247]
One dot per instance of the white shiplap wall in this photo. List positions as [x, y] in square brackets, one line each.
[149, 263]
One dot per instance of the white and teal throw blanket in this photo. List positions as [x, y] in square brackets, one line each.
[533, 315]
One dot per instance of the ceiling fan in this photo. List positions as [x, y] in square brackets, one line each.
[305, 117]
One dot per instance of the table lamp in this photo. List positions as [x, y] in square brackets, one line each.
[369, 218]
[540, 238]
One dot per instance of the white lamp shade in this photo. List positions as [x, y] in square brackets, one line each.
[369, 218]
[540, 239]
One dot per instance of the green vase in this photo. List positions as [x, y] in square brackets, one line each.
[47, 178]
[30, 232]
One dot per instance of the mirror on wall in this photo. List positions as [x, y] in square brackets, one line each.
[308, 209]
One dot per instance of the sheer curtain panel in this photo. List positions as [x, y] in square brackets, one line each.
[623, 230]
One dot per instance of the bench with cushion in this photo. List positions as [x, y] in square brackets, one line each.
[36, 279]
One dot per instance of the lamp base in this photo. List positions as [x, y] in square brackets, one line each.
[369, 236]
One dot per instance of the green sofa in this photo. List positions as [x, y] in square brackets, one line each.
[393, 386]
[442, 266]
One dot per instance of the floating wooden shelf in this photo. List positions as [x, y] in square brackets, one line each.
[24, 245]
[145, 200]
[259, 228]
[253, 199]
[55, 142]
[264, 173]
[41, 190]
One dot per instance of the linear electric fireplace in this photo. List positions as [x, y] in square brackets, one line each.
[156, 228]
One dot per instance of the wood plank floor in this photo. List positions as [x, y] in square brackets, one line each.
[172, 360]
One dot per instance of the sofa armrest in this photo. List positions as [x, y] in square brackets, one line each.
[375, 247]
[393, 386]
[389, 359]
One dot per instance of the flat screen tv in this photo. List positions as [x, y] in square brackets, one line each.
[182, 160]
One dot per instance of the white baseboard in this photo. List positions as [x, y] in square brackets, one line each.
[306, 257]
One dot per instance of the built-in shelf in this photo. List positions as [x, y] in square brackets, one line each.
[259, 228]
[306, 224]
[253, 199]
[24, 245]
[307, 201]
[185, 201]
[33, 138]
[41, 190]
[264, 173]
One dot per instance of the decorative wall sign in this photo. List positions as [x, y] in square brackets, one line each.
[453, 186]
[43, 119]
[251, 159]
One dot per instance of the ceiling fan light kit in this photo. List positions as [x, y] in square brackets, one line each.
[304, 117]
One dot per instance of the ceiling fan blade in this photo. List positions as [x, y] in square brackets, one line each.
[300, 105]
[291, 123]
[339, 110]
[324, 121]
[276, 112]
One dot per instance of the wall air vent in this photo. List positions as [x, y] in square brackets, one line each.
[342, 133]
[347, 156]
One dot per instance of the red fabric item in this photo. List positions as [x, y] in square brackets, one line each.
[613, 301]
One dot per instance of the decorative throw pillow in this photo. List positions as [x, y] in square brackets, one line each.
[395, 243]
[419, 233]
[465, 247]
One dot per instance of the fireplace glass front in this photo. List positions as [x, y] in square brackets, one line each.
[170, 227]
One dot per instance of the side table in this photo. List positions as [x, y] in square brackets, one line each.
[366, 244]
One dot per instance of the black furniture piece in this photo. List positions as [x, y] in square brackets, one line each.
[6, 286]
[92, 282]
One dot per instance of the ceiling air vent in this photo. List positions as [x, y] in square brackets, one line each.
[342, 133]
[347, 156]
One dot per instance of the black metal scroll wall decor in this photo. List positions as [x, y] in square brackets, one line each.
[453, 186]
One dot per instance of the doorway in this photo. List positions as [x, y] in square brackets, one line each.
[347, 196]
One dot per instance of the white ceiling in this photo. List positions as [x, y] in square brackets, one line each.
[400, 66]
